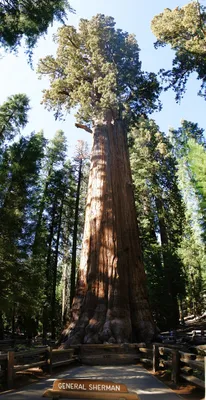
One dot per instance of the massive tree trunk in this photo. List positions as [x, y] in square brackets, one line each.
[110, 303]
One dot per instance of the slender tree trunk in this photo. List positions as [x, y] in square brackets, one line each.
[53, 303]
[171, 295]
[41, 210]
[13, 321]
[111, 303]
[75, 231]
[64, 293]
[67, 228]
[48, 274]
[1, 327]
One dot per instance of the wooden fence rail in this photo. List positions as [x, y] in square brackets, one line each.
[187, 366]
[182, 365]
[45, 358]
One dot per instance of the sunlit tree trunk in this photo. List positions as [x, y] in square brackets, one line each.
[110, 303]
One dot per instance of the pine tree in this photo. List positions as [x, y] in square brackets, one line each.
[66, 243]
[186, 140]
[19, 171]
[161, 214]
[197, 162]
[80, 159]
[13, 116]
[48, 224]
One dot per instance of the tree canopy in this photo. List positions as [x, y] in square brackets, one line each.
[185, 30]
[13, 116]
[97, 68]
[29, 20]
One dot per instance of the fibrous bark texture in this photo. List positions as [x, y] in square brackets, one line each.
[110, 303]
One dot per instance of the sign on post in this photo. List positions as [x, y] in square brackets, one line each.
[89, 389]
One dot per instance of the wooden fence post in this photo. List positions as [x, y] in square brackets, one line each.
[49, 359]
[10, 369]
[155, 358]
[175, 366]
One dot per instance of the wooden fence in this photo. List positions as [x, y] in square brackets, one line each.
[8, 344]
[187, 366]
[181, 364]
[45, 358]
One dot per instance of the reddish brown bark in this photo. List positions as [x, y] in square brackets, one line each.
[111, 303]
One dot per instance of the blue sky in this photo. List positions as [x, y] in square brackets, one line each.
[133, 16]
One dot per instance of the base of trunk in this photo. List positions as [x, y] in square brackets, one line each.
[101, 329]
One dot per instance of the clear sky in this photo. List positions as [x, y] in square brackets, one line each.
[133, 16]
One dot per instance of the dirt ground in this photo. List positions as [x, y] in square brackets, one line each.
[185, 390]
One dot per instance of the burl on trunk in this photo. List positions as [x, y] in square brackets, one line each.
[111, 303]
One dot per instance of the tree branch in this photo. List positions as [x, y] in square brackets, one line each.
[83, 127]
[72, 42]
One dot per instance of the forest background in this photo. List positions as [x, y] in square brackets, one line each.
[43, 211]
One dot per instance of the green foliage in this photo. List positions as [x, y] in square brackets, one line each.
[193, 257]
[185, 30]
[37, 203]
[97, 69]
[19, 171]
[53, 230]
[189, 149]
[197, 162]
[29, 20]
[81, 158]
[180, 137]
[161, 216]
[13, 116]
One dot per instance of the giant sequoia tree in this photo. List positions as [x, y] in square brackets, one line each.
[97, 70]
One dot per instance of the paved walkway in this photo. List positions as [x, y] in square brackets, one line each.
[137, 379]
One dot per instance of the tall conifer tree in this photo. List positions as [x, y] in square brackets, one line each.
[161, 215]
[97, 69]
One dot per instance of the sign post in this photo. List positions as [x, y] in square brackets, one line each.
[89, 389]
